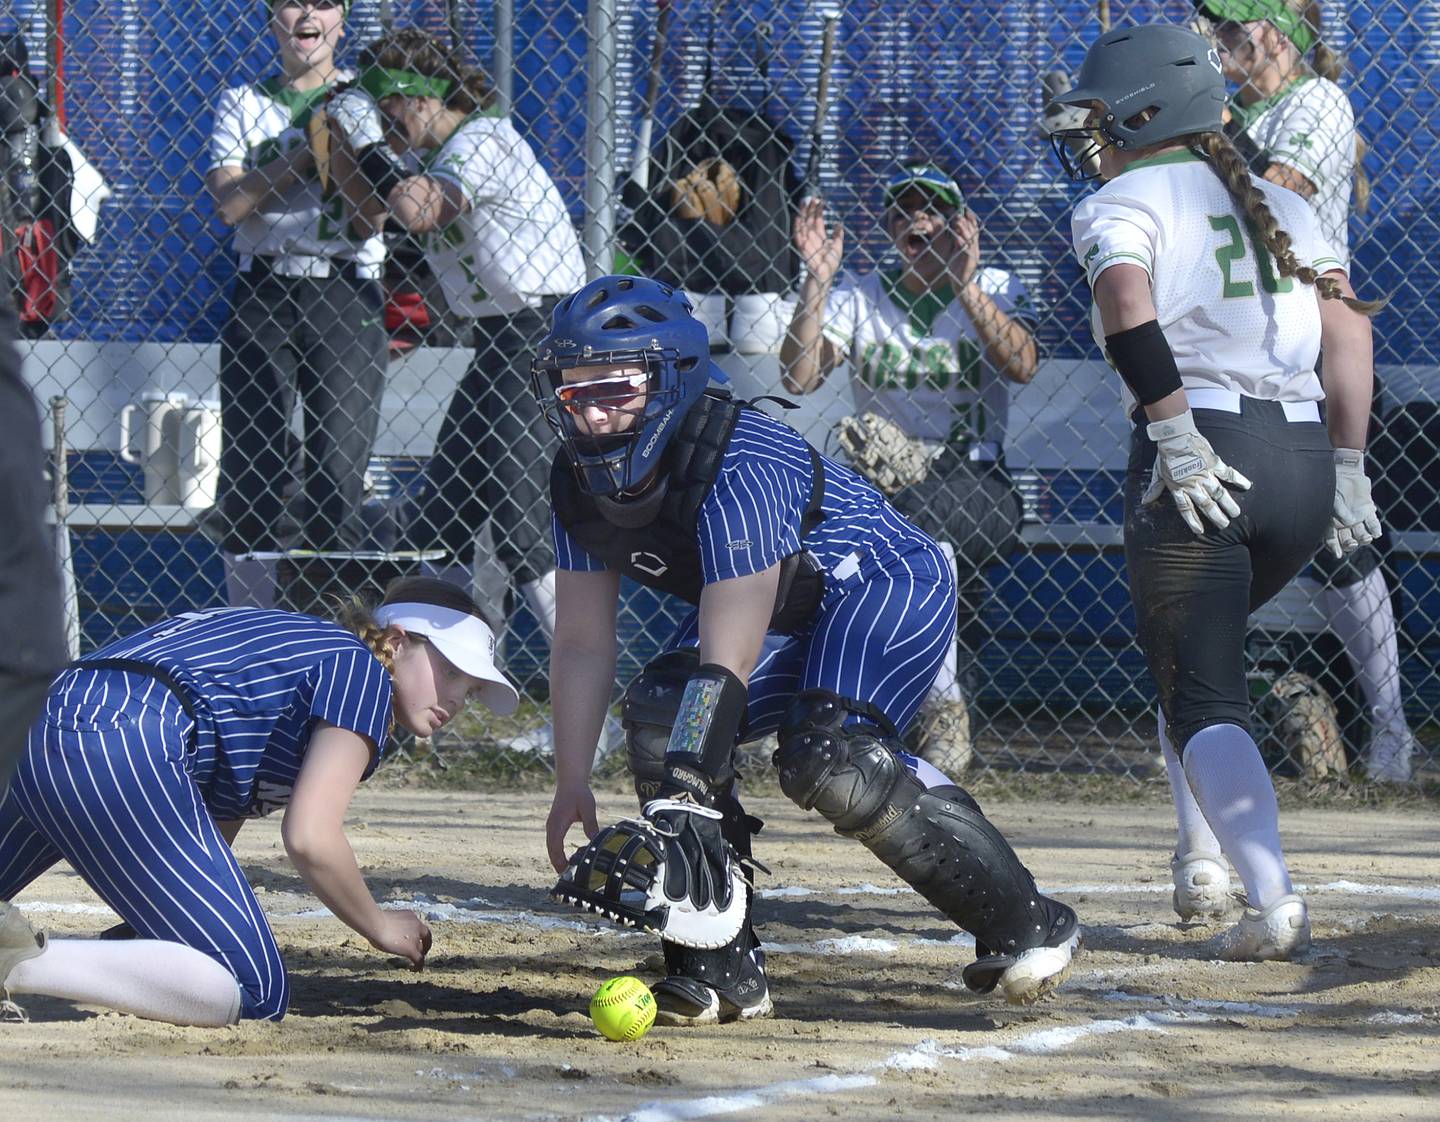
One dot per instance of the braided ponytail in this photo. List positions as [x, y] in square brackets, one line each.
[1230, 166]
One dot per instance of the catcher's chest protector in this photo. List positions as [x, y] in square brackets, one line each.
[665, 554]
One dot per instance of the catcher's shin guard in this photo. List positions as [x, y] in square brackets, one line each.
[937, 841]
[721, 985]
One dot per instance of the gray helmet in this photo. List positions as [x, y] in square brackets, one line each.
[1159, 66]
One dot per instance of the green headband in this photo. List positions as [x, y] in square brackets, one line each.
[381, 83]
[1290, 23]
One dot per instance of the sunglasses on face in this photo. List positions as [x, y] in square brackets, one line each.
[316, 5]
[602, 393]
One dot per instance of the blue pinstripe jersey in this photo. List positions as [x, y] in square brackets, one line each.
[258, 681]
[753, 514]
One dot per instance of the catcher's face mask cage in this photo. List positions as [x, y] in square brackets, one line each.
[622, 322]
[1153, 83]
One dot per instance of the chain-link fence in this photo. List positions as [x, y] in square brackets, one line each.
[270, 401]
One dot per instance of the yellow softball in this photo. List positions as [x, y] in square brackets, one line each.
[623, 1009]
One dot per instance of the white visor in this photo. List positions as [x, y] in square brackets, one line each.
[463, 639]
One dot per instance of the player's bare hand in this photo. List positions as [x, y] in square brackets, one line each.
[573, 803]
[820, 252]
[405, 934]
[963, 260]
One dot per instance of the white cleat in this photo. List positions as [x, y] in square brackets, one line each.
[18, 942]
[1278, 934]
[1202, 886]
[1390, 756]
[1039, 971]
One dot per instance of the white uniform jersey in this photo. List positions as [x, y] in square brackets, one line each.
[516, 243]
[253, 125]
[1310, 126]
[918, 360]
[1231, 320]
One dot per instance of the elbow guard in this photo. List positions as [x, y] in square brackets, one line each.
[381, 169]
[1144, 360]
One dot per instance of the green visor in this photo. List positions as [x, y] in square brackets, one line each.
[1290, 22]
[381, 83]
[927, 178]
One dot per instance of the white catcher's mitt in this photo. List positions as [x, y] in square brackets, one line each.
[883, 453]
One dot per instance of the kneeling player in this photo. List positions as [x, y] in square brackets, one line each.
[820, 613]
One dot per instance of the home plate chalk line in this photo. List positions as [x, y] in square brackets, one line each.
[480, 911]
[927, 1055]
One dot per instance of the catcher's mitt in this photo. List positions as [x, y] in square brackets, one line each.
[880, 450]
[317, 132]
[710, 191]
[670, 872]
[1302, 718]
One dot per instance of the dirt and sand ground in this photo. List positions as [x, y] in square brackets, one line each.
[871, 1019]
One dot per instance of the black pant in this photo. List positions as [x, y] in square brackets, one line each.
[323, 339]
[974, 506]
[492, 458]
[1192, 593]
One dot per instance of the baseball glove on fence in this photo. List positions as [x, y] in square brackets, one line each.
[1302, 718]
[880, 450]
[711, 191]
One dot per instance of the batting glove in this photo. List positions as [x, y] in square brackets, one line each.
[1187, 467]
[1355, 522]
[357, 115]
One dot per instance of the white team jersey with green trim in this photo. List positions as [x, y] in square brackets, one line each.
[1231, 320]
[1310, 127]
[253, 125]
[516, 243]
[919, 362]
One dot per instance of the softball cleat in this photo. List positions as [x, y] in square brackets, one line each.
[18, 942]
[1202, 886]
[1280, 933]
[1039, 971]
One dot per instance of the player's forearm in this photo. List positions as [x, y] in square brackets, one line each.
[1008, 346]
[1347, 346]
[239, 196]
[583, 678]
[801, 362]
[734, 616]
[327, 863]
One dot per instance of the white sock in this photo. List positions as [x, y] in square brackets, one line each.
[1362, 618]
[540, 595]
[946, 686]
[1193, 833]
[150, 978]
[1234, 791]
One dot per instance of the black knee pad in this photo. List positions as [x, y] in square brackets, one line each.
[648, 710]
[937, 841]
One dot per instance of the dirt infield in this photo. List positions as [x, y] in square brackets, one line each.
[872, 1021]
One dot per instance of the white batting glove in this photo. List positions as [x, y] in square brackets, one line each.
[1356, 521]
[357, 115]
[1187, 467]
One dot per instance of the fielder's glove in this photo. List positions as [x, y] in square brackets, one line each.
[711, 191]
[1355, 522]
[883, 453]
[670, 872]
[1303, 719]
[1187, 467]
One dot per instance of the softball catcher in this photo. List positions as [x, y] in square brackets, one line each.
[794, 564]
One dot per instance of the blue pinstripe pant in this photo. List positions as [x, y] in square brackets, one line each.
[104, 785]
[880, 636]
